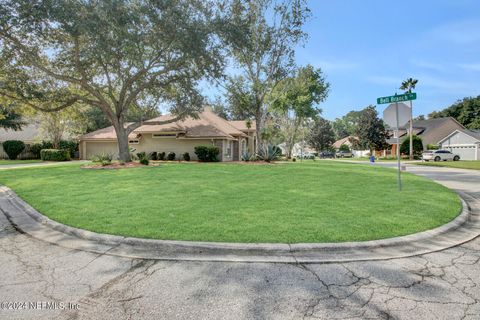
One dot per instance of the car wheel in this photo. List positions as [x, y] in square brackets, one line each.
[437, 159]
[456, 158]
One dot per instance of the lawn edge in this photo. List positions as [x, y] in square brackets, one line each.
[462, 228]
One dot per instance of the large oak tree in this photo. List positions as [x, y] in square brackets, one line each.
[112, 55]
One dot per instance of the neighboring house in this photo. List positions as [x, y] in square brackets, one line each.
[431, 131]
[465, 143]
[298, 149]
[232, 137]
[348, 141]
[29, 134]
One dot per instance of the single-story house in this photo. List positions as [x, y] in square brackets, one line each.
[232, 137]
[465, 143]
[431, 131]
[348, 141]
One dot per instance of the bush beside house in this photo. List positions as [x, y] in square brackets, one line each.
[207, 153]
[54, 155]
[13, 148]
[417, 145]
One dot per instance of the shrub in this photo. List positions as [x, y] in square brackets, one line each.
[432, 146]
[69, 145]
[54, 155]
[13, 148]
[161, 156]
[186, 156]
[144, 161]
[171, 156]
[246, 156]
[103, 158]
[153, 155]
[294, 159]
[207, 153]
[417, 145]
[278, 150]
[37, 147]
[141, 155]
[268, 154]
[344, 147]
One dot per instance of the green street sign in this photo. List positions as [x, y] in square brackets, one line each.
[397, 98]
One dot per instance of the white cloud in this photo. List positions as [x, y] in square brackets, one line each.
[428, 65]
[460, 32]
[470, 66]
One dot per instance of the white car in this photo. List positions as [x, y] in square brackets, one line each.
[439, 155]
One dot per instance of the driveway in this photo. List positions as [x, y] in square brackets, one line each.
[71, 284]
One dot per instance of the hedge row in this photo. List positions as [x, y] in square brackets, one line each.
[54, 155]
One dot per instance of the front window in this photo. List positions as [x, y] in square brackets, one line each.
[228, 149]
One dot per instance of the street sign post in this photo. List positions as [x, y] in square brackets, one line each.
[396, 115]
[397, 98]
[390, 115]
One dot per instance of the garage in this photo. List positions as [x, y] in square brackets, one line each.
[465, 143]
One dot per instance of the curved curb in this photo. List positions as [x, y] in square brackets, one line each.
[465, 227]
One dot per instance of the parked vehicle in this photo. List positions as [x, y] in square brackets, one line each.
[326, 155]
[306, 155]
[439, 155]
[344, 154]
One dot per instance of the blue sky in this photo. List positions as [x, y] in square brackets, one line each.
[367, 47]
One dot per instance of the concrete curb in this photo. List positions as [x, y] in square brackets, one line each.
[463, 228]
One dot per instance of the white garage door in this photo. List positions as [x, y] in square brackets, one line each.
[465, 152]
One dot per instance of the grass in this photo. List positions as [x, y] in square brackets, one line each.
[6, 162]
[463, 164]
[321, 201]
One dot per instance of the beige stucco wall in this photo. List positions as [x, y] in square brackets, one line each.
[179, 146]
[93, 148]
[149, 144]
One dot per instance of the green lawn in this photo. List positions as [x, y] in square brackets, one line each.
[321, 201]
[463, 164]
[5, 162]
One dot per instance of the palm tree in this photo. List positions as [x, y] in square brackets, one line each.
[407, 86]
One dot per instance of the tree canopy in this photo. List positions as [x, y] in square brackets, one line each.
[295, 100]
[466, 111]
[261, 36]
[321, 136]
[346, 125]
[112, 55]
[371, 132]
[9, 119]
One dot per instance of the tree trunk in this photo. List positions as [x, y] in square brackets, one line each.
[122, 141]
[258, 129]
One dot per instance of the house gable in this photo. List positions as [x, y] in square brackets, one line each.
[459, 137]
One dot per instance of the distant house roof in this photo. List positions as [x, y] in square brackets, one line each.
[207, 125]
[430, 130]
[337, 144]
[28, 133]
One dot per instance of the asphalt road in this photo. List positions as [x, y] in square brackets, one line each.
[43, 281]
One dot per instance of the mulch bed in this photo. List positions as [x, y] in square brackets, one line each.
[116, 165]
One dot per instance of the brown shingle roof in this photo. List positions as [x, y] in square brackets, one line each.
[432, 130]
[208, 125]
